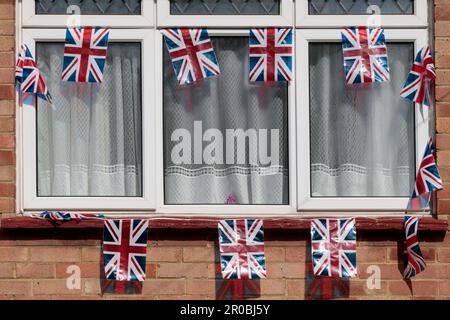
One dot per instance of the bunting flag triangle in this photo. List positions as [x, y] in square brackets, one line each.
[414, 261]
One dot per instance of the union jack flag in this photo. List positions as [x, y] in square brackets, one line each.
[60, 217]
[365, 55]
[28, 77]
[414, 261]
[124, 249]
[192, 54]
[270, 55]
[242, 249]
[333, 247]
[428, 178]
[85, 54]
[417, 86]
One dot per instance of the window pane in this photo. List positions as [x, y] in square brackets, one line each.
[225, 7]
[89, 140]
[362, 139]
[124, 7]
[360, 6]
[225, 136]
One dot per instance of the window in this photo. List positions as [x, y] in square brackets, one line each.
[139, 142]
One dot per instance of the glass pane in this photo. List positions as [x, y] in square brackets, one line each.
[360, 6]
[225, 136]
[89, 141]
[225, 7]
[362, 139]
[124, 7]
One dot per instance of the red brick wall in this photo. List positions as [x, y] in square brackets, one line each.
[183, 264]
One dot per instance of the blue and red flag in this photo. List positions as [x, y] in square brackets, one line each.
[242, 249]
[192, 54]
[59, 217]
[428, 179]
[85, 54]
[125, 249]
[365, 55]
[417, 86]
[414, 261]
[333, 247]
[28, 77]
[271, 52]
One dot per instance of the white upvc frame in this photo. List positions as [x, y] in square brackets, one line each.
[217, 209]
[417, 20]
[27, 144]
[144, 20]
[284, 19]
[307, 203]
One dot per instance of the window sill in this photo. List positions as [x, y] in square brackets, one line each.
[394, 223]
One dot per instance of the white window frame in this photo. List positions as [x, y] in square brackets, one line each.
[144, 20]
[218, 209]
[367, 204]
[284, 19]
[27, 123]
[417, 20]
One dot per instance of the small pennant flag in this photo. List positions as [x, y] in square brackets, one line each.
[365, 55]
[125, 249]
[85, 54]
[60, 217]
[271, 52]
[417, 86]
[192, 54]
[414, 261]
[242, 249]
[333, 247]
[428, 179]
[28, 77]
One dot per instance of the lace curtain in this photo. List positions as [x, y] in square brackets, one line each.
[228, 101]
[362, 140]
[89, 140]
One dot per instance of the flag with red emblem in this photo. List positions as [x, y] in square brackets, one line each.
[242, 249]
[124, 249]
[365, 55]
[192, 54]
[414, 261]
[28, 77]
[417, 86]
[333, 247]
[271, 52]
[85, 54]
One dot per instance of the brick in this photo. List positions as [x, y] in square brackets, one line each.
[12, 254]
[361, 288]
[442, 61]
[35, 270]
[372, 255]
[273, 286]
[295, 288]
[87, 269]
[7, 158]
[179, 270]
[164, 287]
[55, 254]
[442, 77]
[295, 254]
[7, 91]
[7, 189]
[7, 206]
[275, 254]
[15, 287]
[418, 288]
[443, 125]
[7, 107]
[443, 255]
[7, 141]
[6, 10]
[7, 43]
[91, 286]
[389, 271]
[200, 287]
[444, 288]
[7, 173]
[286, 270]
[198, 254]
[6, 270]
[158, 254]
[52, 287]
[442, 94]
[6, 75]
[90, 254]
[442, 29]
[7, 27]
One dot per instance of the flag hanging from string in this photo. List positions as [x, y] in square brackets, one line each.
[414, 261]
